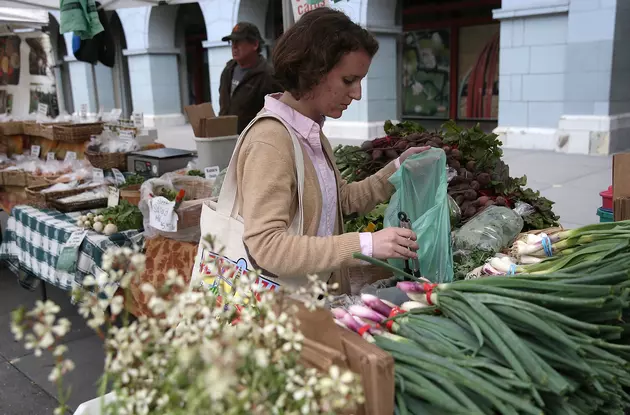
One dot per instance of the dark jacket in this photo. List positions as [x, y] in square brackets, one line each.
[249, 96]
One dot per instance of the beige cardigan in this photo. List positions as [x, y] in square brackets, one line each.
[267, 194]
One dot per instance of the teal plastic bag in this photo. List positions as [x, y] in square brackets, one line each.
[421, 192]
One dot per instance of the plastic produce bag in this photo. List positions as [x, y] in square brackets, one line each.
[421, 185]
[492, 229]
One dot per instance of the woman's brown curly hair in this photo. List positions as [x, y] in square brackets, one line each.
[314, 46]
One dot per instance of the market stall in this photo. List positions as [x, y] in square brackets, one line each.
[58, 175]
[505, 311]
[35, 239]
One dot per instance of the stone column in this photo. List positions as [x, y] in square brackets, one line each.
[364, 119]
[155, 89]
[564, 70]
[219, 53]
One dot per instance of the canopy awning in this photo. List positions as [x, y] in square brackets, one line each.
[107, 4]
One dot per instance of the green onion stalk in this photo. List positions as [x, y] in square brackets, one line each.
[533, 245]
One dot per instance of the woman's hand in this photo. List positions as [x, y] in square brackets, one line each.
[392, 243]
[411, 151]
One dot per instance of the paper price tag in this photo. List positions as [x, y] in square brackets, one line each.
[35, 150]
[118, 176]
[116, 113]
[84, 111]
[211, 172]
[97, 175]
[126, 134]
[162, 214]
[113, 197]
[51, 156]
[70, 156]
[75, 239]
[138, 119]
[42, 110]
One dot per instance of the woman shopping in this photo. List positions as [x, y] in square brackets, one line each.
[320, 63]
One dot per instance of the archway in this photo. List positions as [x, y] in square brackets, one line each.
[274, 25]
[120, 71]
[190, 33]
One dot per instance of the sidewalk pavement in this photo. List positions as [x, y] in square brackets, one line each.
[573, 182]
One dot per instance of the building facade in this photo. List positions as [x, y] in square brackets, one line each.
[171, 56]
[543, 74]
[565, 75]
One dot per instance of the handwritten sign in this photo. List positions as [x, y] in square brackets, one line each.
[50, 156]
[42, 110]
[138, 119]
[35, 150]
[162, 214]
[75, 239]
[113, 198]
[97, 175]
[70, 156]
[126, 134]
[211, 172]
[118, 176]
[116, 113]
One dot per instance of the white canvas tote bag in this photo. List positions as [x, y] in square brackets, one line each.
[222, 221]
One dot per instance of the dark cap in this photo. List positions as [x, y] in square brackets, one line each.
[244, 31]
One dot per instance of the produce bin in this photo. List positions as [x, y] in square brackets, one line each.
[605, 215]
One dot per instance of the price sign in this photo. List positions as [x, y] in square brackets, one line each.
[97, 175]
[126, 134]
[35, 150]
[42, 110]
[116, 113]
[50, 156]
[69, 254]
[162, 214]
[138, 119]
[113, 197]
[70, 156]
[211, 172]
[118, 176]
[75, 239]
[84, 111]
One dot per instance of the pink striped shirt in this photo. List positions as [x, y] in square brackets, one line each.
[309, 131]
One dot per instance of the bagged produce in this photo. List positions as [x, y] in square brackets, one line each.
[194, 191]
[421, 186]
[492, 229]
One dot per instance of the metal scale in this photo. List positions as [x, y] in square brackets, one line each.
[154, 163]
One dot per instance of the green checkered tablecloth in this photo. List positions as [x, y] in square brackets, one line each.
[33, 240]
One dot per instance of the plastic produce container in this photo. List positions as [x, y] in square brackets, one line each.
[605, 215]
[607, 198]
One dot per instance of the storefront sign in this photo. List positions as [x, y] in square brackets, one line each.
[302, 6]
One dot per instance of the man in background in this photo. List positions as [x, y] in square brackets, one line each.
[247, 78]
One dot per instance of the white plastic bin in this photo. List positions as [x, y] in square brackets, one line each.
[215, 151]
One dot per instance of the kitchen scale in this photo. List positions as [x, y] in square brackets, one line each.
[154, 163]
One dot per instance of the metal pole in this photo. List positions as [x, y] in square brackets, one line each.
[287, 14]
[97, 104]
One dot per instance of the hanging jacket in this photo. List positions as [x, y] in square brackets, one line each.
[98, 49]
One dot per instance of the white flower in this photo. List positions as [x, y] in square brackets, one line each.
[117, 305]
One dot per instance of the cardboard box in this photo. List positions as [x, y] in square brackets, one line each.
[373, 364]
[621, 186]
[206, 124]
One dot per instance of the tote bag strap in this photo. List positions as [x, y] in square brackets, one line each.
[227, 203]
